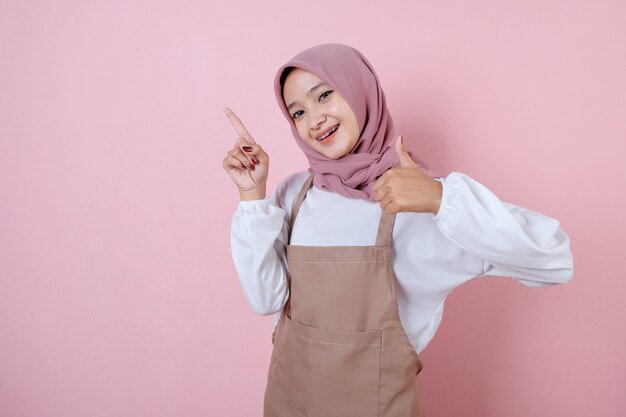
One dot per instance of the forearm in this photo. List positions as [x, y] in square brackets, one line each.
[257, 245]
[513, 241]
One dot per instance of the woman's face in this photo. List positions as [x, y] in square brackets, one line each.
[323, 118]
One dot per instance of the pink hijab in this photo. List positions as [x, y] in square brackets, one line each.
[349, 72]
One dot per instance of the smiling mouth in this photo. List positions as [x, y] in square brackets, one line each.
[328, 134]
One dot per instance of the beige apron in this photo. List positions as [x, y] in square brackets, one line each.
[340, 349]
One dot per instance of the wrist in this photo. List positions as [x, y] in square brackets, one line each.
[438, 195]
[256, 193]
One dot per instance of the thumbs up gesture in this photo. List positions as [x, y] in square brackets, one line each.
[406, 187]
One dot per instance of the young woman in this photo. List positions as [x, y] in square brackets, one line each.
[356, 256]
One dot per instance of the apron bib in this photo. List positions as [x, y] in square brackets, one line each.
[339, 348]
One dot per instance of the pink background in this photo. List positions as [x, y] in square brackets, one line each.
[118, 296]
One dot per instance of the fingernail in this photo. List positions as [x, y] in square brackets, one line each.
[247, 148]
[252, 167]
[255, 159]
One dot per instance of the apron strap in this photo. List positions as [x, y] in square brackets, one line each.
[385, 229]
[294, 213]
[296, 204]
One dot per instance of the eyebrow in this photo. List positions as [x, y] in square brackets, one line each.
[311, 90]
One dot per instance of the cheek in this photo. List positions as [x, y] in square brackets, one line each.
[354, 129]
[302, 131]
[350, 121]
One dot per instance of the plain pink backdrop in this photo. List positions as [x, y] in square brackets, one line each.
[118, 296]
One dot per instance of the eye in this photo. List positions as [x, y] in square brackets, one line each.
[297, 114]
[325, 95]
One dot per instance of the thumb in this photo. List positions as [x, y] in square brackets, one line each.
[403, 156]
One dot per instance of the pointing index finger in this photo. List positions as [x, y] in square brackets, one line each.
[238, 124]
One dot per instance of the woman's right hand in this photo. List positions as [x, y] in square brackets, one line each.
[246, 164]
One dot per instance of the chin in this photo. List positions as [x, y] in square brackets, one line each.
[333, 155]
[332, 151]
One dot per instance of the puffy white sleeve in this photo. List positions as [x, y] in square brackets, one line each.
[259, 233]
[513, 241]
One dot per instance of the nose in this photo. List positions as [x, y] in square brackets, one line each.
[316, 119]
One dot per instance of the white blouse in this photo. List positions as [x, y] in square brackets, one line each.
[472, 235]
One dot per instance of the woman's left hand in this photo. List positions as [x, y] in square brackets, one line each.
[406, 187]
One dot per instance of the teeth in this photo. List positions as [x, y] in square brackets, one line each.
[330, 132]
